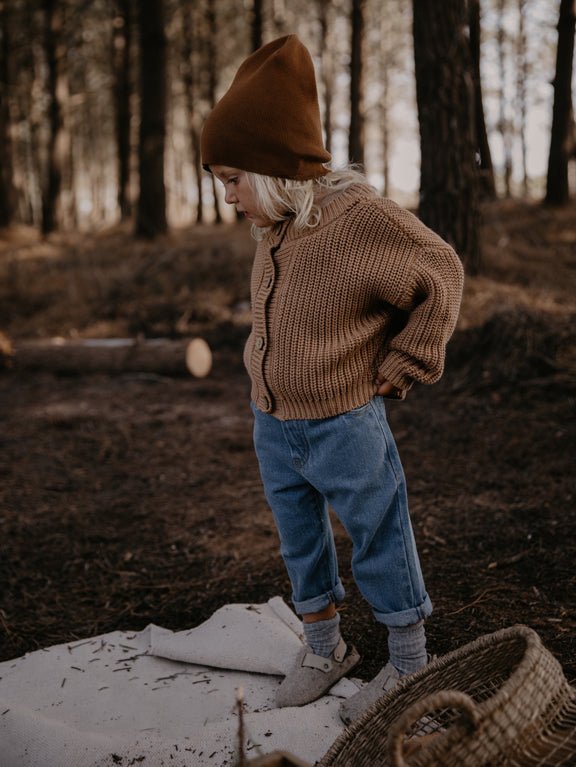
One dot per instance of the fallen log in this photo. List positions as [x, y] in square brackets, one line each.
[6, 351]
[115, 355]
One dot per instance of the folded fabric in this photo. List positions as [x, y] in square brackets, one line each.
[264, 639]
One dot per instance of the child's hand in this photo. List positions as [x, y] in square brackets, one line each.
[383, 388]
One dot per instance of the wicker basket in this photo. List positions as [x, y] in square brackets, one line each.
[500, 701]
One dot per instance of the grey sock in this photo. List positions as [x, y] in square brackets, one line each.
[323, 636]
[407, 647]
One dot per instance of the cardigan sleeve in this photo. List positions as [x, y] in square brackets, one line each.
[418, 351]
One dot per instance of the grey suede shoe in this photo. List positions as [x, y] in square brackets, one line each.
[313, 675]
[382, 683]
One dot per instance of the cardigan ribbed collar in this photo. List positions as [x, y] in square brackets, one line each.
[333, 205]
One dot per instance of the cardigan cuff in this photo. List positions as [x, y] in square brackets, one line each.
[394, 370]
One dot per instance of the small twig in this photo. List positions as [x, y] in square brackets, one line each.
[478, 599]
[508, 560]
[239, 706]
[4, 624]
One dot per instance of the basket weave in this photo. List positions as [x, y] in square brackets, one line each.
[500, 701]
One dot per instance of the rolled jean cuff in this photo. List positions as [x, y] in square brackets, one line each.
[406, 617]
[319, 603]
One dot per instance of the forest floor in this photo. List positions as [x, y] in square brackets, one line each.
[132, 498]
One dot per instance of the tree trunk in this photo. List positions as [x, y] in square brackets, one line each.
[151, 214]
[56, 134]
[256, 25]
[29, 170]
[6, 162]
[557, 188]
[327, 73]
[217, 211]
[487, 183]
[356, 138]
[449, 198]
[190, 94]
[503, 121]
[122, 93]
[521, 91]
[387, 40]
[212, 64]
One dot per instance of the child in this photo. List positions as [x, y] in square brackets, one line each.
[353, 300]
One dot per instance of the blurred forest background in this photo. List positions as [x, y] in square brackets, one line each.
[102, 103]
[129, 492]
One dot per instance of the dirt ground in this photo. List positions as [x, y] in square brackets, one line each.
[132, 498]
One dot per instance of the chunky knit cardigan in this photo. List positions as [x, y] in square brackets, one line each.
[369, 289]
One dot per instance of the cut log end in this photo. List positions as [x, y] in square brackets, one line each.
[198, 358]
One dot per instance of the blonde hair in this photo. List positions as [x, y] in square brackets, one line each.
[279, 199]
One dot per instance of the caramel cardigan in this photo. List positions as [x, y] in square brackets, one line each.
[369, 289]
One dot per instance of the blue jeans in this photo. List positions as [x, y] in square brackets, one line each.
[350, 463]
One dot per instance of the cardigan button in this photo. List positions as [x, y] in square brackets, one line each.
[260, 342]
[266, 404]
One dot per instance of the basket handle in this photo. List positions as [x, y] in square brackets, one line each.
[434, 702]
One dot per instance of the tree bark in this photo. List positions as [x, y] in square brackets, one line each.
[486, 176]
[151, 214]
[449, 196]
[557, 187]
[356, 138]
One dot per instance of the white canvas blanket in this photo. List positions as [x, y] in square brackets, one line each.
[158, 697]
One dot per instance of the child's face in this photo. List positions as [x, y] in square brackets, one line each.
[239, 193]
